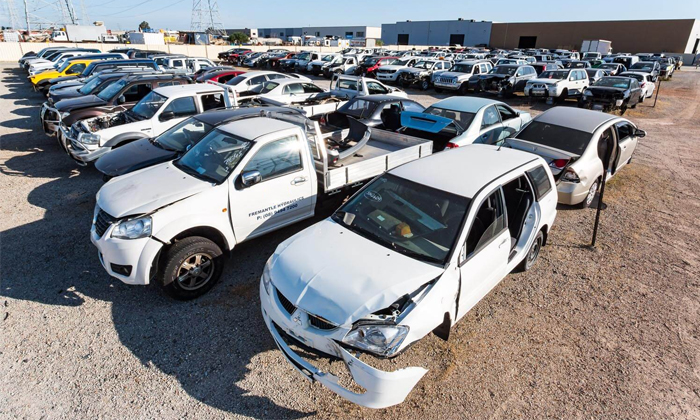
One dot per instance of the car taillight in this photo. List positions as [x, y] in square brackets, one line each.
[570, 176]
[451, 145]
[642, 85]
[559, 163]
[322, 120]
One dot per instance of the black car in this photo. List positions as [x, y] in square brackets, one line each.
[174, 142]
[383, 111]
[505, 79]
[92, 86]
[612, 92]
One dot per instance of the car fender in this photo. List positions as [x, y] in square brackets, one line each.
[125, 137]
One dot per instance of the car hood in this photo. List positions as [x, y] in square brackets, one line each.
[147, 190]
[64, 93]
[606, 89]
[413, 70]
[133, 156]
[392, 67]
[79, 102]
[545, 81]
[348, 280]
[453, 74]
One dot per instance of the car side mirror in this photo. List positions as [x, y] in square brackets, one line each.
[250, 178]
[166, 116]
[121, 99]
[640, 133]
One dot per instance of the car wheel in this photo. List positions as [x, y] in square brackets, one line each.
[563, 96]
[532, 254]
[590, 196]
[424, 85]
[464, 89]
[191, 267]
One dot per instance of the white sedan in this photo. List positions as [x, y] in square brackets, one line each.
[409, 254]
[645, 83]
[285, 91]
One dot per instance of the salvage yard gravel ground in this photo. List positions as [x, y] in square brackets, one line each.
[608, 332]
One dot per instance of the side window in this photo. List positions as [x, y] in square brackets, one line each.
[506, 113]
[224, 79]
[276, 76]
[76, 68]
[311, 88]
[169, 83]
[538, 176]
[624, 130]
[182, 107]
[277, 158]
[294, 88]
[213, 101]
[375, 88]
[257, 80]
[412, 107]
[488, 223]
[135, 92]
[490, 117]
[177, 63]
[634, 84]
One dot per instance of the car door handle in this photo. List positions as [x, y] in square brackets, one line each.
[145, 129]
[298, 180]
[503, 242]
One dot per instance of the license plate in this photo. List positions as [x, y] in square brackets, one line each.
[598, 107]
[537, 93]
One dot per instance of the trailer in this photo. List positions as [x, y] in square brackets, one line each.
[148, 38]
[597, 46]
[79, 33]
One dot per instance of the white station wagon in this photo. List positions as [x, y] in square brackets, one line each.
[411, 253]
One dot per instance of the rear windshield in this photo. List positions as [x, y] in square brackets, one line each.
[359, 108]
[556, 136]
[616, 82]
[462, 119]
[504, 70]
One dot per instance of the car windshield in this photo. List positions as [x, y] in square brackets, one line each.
[110, 91]
[90, 84]
[615, 82]
[370, 61]
[554, 74]
[183, 135]
[64, 66]
[642, 66]
[503, 70]
[359, 108]
[303, 56]
[418, 221]
[424, 65]
[266, 87]
[556, 136]
[462, 68]
[148, 106]
[635, 76]
[236, 80]
[462, 119]
[329, 58]
[214, 157]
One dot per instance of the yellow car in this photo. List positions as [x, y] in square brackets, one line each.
[68, 68]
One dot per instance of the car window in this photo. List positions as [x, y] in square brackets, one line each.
[76, 68]
[412, 106]
[538, 176]
[375, 88]
[135, 92]
[490, 117]
[276, 76]
[506, 113]
[312, 88]
[182, 107]
[277, 158]
[488, 223]
[624, 130]
[257, 80]
[213, 101]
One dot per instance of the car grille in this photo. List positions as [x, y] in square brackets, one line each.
[102, 222]
[447, 80]
[320, 323]
[539, 86]
[286, 304]
[386, 71]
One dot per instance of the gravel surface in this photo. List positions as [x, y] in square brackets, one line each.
[610, 332]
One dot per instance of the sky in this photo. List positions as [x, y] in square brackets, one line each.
[176, 14]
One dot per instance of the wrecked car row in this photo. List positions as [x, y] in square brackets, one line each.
[441, 203]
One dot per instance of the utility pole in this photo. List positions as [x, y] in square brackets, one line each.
[26, 15]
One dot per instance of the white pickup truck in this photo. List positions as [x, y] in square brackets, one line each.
[174, 221]
[162, 108]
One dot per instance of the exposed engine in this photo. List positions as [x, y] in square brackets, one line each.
[106, 121]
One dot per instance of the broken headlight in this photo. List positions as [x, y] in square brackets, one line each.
[133, 228]
[380, 339]
[88, 138]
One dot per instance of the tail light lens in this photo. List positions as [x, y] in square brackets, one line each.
[451, 145]
[322, 120]
[559, 163]
[570, 176]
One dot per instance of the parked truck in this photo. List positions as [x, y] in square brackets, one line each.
[149, 38]
[79, 33]
[595, 49]
[242, 180]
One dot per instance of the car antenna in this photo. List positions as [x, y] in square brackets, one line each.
[501, 145]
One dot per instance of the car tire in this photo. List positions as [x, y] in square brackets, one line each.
[464, 89]
[531, 257]
[424, 85]
[564, 94]
[190, 268]
[590, 197]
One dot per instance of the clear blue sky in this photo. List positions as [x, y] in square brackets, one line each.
[175, 14]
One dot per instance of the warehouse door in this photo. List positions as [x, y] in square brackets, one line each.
[527, 42]
[456, 39]
[403, 39]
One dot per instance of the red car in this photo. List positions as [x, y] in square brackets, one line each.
[235, 57]
[219, 76]
[369, 65]
[274, 63]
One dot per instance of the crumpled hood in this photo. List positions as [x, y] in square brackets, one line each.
[71, 104]
[494, 76]
[147, 190]
[334, 273]
[64, 93]
[133, 156]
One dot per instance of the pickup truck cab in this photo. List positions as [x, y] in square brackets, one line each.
[352, 86]
[254, 175]
[161, 109]
[339, 65]
[558, 84]
[420, 74]
[316, 67]
[409, 254]
[187, 65]
[457, 78]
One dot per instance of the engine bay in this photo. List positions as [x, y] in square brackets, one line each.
[106, 121]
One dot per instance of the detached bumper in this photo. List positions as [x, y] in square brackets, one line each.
[128, 260]
[50, 120]
[382, 389]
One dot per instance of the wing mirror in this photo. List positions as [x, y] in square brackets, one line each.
[250, 178]
[640, 133]
[121, 99]
[167, 115]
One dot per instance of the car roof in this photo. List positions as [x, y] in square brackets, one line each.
[575, 118]
[465, 103]
[175, 90]
[471, 168]
[219, 116]
[383, 98]
[253, 128]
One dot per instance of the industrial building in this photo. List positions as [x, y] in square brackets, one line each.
[681, 36]
[441, 32]
[343, 32]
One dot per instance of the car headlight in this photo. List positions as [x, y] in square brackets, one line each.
[64, 115]
[89, 138]
[380, 339]
[267, 280]
[133, 228]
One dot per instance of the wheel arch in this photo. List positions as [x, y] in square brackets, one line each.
[208, 232]
[125, 137]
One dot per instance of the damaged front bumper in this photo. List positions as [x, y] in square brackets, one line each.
[50, 119]
[382, 389]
